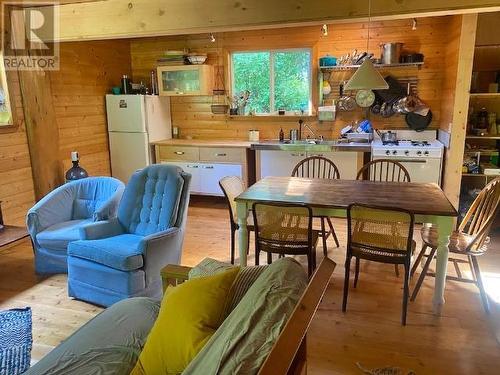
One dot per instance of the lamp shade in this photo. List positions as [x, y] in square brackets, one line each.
[366, 77]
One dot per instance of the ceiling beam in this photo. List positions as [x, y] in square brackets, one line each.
[109, 19]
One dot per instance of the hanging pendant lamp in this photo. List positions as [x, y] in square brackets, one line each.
[366, 77]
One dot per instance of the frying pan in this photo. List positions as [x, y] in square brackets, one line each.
[418, 122]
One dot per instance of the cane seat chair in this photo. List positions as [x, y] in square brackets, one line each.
[385, 170]
[323, 168]
[232, 186]
[469, 241]
[381, 235]
[285, 229]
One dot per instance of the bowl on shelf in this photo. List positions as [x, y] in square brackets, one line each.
[197, 59]
[219, 109]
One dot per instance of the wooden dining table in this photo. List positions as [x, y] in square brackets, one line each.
[331, 198]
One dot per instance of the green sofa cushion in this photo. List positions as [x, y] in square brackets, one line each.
[244, 340]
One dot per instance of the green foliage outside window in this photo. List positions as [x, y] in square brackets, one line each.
[289, 87]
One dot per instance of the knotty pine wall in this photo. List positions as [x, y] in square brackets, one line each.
[88, 71]
[192, 114]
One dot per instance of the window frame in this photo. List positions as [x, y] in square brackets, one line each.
[272, 52]
[4, 85]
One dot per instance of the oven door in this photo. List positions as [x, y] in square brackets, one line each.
[420, 169]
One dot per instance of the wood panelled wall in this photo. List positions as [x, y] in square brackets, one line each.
[88, 71]
[16, 183]
[192, 114]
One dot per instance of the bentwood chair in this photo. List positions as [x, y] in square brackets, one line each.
[232, 186]
[285, 229]
[469, 241]
[381, 235]
[319, 167]
[384, 170]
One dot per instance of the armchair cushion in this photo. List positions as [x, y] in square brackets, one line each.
[58, 236]
[120, 252]
[150, 202]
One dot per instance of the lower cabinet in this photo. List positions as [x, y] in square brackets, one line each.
[206, 164]
[281, 163]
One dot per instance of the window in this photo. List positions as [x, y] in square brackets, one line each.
[278, 79]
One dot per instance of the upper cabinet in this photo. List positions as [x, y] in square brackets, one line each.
[185, 80]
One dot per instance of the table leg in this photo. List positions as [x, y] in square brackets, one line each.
[242, 214]
[445, 227]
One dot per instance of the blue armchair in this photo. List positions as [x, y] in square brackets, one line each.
[56, 219]
[122, 257]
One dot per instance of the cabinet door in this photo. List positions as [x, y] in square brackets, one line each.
[194, 170]
[278, 163]
[211, 174]
[346, 162]
[185, 80]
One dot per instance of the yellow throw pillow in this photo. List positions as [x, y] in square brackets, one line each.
[190, 314]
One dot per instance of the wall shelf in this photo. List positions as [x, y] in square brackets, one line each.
[482, 137]
[485, 95]
[350, 67]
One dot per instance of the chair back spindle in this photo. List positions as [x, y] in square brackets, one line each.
[316, 167]
[384, 170]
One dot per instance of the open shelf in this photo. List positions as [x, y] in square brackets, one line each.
[479, 175]
[485, 95]
[350, 67]
[482, 137]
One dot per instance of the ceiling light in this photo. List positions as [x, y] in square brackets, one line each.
[324, 30]
[366, 77]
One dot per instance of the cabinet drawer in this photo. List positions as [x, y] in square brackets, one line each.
[179, 153]
[222, 154]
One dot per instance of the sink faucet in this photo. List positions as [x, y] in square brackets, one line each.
[302, 123]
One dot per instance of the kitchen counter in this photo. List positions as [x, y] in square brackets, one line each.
[204, 143]
[302, 146]
[269, 145]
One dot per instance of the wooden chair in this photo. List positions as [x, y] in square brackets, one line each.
[285, 229]
[380, 235]
[232, 186]
[469, 240]
[383, 170]
[319, 167]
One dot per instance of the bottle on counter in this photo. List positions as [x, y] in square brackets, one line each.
[282, 135]
[126, 85]
[75, 172]
[154, 83]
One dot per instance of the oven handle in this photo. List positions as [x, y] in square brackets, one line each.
[421, 161]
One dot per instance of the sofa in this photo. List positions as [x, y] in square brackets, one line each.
[55, 220]
[122, 257]
[264, 300]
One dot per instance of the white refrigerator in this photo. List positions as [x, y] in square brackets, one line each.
[134, 122]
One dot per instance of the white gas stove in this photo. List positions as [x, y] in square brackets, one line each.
[419, 152]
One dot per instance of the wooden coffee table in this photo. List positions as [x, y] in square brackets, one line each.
[10, 234]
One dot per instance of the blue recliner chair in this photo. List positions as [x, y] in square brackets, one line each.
[122, 257]
[56, 219]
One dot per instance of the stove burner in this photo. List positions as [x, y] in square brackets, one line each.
[390, 143]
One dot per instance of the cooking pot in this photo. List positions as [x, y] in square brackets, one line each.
[387, 137]
[391, 52]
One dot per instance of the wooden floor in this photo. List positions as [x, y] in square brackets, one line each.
[462, 341]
